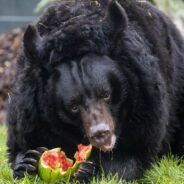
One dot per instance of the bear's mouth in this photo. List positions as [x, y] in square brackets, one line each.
[110, 145]
[105, 146]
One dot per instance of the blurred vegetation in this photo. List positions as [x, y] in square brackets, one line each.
[42, 4]
[174, 8]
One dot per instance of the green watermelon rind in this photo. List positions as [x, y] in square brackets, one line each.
[48, 174]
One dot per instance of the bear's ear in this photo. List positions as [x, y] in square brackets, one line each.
[116, 16]
[31, 42]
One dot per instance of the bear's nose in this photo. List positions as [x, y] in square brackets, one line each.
[100, 132]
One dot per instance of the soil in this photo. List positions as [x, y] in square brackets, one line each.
[9, 48]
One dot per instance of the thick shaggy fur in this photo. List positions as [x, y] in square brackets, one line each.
[148, 53]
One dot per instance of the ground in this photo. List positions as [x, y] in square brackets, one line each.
[168, 170]
[9, 46]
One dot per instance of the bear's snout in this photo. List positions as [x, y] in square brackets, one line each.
[100, 134]
[99, 126]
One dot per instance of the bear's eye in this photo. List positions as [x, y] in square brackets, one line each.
[106, 96]
[74, 108]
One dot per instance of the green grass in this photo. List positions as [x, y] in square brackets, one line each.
[169, 170]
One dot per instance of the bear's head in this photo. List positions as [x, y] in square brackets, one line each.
[84, 86]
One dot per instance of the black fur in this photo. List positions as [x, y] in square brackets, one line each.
[129, 48]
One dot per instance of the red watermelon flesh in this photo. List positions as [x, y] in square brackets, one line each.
[82, 154]
[57, 159]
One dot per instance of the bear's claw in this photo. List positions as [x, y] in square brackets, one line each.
[85, 171]
[27, 162]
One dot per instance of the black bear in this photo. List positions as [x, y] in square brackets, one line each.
[106, 73]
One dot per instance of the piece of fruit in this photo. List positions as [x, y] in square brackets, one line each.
[83, 153]
[81, 156]
[54, 164]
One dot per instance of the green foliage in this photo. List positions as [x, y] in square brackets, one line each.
[169, 170]
[174, 8]
[42, 4]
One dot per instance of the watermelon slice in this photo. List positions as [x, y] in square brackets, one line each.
[54, 164]
[83, 153]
